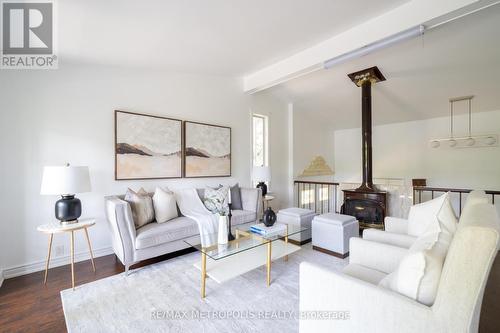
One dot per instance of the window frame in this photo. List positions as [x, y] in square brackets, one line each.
[265, 152]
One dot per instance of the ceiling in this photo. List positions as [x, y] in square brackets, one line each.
[220, 37]
[456, 59]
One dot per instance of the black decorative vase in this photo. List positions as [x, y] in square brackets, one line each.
[269, 217]
[68, 209]
[263, 188]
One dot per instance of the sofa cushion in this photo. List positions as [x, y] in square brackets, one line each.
[154, 233]
[364, 273]
[391, 238]
[419, 273]
[474, 198]
[423, 215]
[201, 191]
[242, 216]
[141, 204]
[236, 197]
[216, 200]
[165, 205]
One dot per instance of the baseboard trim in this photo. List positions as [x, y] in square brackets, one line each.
[54, 262]
[330, 252]
[1, 278]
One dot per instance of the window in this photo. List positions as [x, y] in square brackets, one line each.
[260, 148]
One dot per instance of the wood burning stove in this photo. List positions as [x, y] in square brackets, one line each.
[369, 208]
[366, 203]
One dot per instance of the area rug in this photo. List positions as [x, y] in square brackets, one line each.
[165, 297]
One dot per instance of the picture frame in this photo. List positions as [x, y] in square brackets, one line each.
[207, 150]
[147, 146]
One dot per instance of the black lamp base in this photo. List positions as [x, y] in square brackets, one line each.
[263, 188]
[68, 209]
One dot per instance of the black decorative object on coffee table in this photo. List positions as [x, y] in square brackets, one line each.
[269, 217]
[230, 236]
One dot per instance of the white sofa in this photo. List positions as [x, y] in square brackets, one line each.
[132, 245]
[396, 233]
[375, 309]
[396, 229]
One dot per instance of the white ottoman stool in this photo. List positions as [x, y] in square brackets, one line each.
[331, 233]
[298, 217]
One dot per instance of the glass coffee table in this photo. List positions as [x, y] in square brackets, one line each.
[248, 251]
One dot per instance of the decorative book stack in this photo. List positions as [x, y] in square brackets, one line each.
[275, 230]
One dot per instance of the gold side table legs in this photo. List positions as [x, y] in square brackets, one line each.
[90, 248]
[72, 255]
[203, 273]
[268, 263]
[72, 259]
[48, 259]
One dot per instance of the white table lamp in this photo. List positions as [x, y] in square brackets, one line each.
[66, 181]
[262, 174]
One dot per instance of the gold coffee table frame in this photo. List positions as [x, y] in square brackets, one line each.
[241, 235]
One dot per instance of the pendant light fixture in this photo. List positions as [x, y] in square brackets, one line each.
[465, 141]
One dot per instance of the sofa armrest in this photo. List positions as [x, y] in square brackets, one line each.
[251, 199]
[401, 240]
[381, 257]
[396, 225]
[119, 216]
[353, 305]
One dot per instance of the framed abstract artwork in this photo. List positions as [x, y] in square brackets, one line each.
[207, 150]
[147, 147]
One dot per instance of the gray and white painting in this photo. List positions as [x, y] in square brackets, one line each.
[208, 150]
[147, 146]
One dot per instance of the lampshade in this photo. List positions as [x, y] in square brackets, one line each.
[59, 180]
[261, 173]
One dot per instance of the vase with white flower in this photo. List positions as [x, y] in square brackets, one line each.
[220, 207]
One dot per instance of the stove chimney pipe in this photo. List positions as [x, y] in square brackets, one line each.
[365, 79]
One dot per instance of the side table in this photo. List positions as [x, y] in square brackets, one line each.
[55, 228]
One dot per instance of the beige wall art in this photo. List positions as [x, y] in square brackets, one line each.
[147, 147]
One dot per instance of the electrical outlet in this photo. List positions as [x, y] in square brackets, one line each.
[59, 251]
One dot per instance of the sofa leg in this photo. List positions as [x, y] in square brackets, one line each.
[127, 270]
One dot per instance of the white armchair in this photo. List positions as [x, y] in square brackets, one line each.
[370, 308]
[396, 233]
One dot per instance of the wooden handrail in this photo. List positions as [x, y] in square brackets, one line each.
[460, 191]
[454, 190]
[313, 182]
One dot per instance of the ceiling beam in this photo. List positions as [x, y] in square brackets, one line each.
[406, 16]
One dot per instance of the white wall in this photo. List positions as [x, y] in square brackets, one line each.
[66, 115]
[402, 151]
[311, 138]
[276, 111]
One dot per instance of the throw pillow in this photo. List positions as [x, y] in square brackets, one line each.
[424, 214]
[201, 191]
[165, 206]
[216, 200]
[419, 273]
[236, 202]
[142, 207]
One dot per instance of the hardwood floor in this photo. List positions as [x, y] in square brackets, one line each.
[26, 305]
